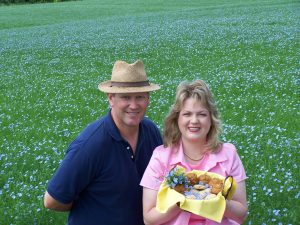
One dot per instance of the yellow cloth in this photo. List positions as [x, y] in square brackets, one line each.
[212, 209]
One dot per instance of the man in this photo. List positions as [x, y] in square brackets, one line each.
[98, 180]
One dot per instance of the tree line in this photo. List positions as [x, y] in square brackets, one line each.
[8, 2]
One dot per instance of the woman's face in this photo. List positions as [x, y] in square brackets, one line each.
[194, 121]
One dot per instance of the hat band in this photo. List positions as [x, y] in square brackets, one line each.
[130, 84]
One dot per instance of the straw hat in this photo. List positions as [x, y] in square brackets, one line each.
[128, 78]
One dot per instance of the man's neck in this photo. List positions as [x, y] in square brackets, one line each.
[131, 136]
[129, 133]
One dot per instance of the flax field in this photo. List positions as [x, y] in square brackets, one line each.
[53, 56]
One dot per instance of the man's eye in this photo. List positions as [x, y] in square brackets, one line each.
[125, 97]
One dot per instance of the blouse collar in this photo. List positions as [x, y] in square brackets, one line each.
[212, 159]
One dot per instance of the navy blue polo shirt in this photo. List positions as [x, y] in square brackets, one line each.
[101, 175]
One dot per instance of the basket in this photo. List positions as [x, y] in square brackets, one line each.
[211, 208]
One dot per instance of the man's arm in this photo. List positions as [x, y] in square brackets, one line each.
[51, 203]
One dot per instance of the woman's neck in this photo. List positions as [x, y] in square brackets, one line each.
[194, 151]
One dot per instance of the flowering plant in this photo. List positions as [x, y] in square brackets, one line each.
[176, 177]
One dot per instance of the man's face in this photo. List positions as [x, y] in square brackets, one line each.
[128, 109]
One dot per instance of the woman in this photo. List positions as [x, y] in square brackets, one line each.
[191, 132]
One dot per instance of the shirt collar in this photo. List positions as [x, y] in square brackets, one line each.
[112, 127]
[114, 131]
[212, 159]
[178, 156]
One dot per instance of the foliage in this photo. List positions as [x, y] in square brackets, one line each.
[8, 2]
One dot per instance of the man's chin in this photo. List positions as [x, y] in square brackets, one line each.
[133, 123]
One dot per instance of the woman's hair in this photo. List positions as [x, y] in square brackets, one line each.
[200, 91]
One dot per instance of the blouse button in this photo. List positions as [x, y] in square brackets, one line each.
[128, 147]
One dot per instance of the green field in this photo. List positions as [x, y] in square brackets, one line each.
[52, 57]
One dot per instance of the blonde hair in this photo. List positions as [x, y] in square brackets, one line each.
[200, 91]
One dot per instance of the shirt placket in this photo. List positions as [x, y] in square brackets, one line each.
[129, 151]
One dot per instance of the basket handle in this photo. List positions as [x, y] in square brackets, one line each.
[225, 193]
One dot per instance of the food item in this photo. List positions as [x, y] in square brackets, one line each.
[194, 186]
[199, 187]
[180, 188]
[193, 179]
[204, 178]
[216, 184]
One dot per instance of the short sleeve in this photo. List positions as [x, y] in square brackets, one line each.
[67, 181]
[237, 170]
[155, 171]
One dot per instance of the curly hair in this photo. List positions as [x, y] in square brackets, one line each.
[200, 91]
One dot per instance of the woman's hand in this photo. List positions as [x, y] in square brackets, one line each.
[237, 209]
[151, 215]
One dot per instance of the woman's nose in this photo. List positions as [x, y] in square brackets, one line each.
[194, 119]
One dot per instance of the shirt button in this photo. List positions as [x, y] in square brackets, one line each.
[132, 156]
[128, 147]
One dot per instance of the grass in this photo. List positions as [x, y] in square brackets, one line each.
[52, 57]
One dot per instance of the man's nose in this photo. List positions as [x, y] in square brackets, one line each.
[133, 102]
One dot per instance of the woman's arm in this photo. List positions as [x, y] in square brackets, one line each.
[237, 209]
[151, 215]
[51, 203]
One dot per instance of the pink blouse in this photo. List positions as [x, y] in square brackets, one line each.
[225, 162]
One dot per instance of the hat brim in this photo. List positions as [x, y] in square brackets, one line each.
[108, 88]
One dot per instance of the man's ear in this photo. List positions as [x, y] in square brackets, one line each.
[110, 99]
